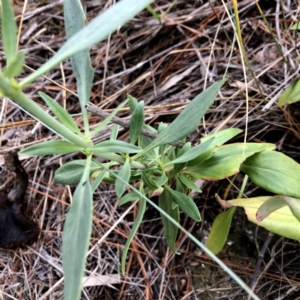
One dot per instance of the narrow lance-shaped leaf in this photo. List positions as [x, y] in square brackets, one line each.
[50, 148]
[114, 147]
[188, 120]
[96, 31]
[16, 65]
[124, 173]
[136, 122]
[61, 114]
[9, 31]
[165, 202]
[186, 203]
[192, 153]
[81, 64]
[133, 231]
[76, 236]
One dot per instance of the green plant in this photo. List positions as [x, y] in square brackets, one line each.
[166, 164]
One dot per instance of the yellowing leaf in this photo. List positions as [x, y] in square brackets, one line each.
[281, 221]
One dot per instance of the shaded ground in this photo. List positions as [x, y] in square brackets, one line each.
[166, 65]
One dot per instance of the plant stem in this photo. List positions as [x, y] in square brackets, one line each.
[11, 90]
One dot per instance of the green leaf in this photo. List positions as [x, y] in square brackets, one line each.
[188, 120]
[132, 196]
[9, 31]
[81, 64]
[192, 153]
[226, 160]
[132, 103]
[124, 173]
[133, 231]
[76, 236]
[98, 180]
[186, 203]
[291, 94]
[96, 31]
[274, 172]
[114, 146]
[221, 137]
[189, 183]
[281, 221]
[50, 148]
[295, 26]
[165, 202]
[136, 122]
[61, 114]
[114, 132]
[71, 172]
[148, 181]
[219, 231]
[15, 68]
[162, 179]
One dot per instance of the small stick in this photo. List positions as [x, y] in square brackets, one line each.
[125, 124]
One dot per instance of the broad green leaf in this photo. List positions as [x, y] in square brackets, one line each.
[186, 203]
[71, 172]
[132, 196]
[165, 202]
[76, 236]
[226, 160]
[50, 148]
[219, 231]
[124, 173]
[103, 124]
[9, 31]
[189, 183]
[133, 231]
[81, 64]
[281, 221]
[61, 114]
[274, 172]
[114, 132]
[222, 136]
[291, 94]
[16, 66]
[188, 120]
[114, 147]
[192, 153]
[96, 31]
[136, 122]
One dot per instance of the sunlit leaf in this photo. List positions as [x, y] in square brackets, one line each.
[114, 147]
[16, 65]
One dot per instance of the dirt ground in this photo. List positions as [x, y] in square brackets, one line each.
[166, 65]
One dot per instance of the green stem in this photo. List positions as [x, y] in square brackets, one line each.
[11, 90]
